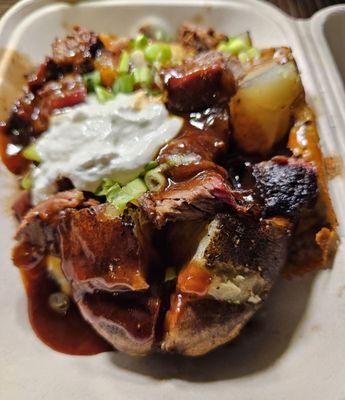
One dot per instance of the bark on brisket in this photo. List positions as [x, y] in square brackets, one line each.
[286, 185]
[201, 81]
[30, 114]
[77, 49]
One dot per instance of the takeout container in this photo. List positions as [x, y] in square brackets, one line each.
[295, 347]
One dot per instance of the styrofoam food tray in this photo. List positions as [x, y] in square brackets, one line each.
[296, 347]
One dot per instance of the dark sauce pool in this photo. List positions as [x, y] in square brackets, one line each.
[69, 333]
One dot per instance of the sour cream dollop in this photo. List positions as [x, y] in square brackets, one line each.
[93, 141]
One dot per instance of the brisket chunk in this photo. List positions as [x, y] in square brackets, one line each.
[286, 185]
[74, 53]
[77, 50]
[201, 81]
[30, 114]
[103, 252]
[199, 38]
[192, 199]
[37, 233]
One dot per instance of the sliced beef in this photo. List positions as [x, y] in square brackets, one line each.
[192, 199]
[30, 114]
[37, 233]
[236, 262]
[103, 252]
[201, 81]
[127, 320]
[77, 50]
[199, 38]
[286, 185]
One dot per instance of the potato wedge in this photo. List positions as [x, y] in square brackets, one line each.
[261, 108]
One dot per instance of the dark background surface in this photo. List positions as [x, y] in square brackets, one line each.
[296, 8]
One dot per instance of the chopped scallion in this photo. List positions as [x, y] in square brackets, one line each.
[135, 188]
[140, 41]
[151, 165]
[143, 76]
[124, 84]
[124, 63]
[91, 80]
[30, 153]
[119, 199]
[243, 57]
[236, 45]
[106, 185]
[174, 160]
[26, 182]
[155, 180]
[103, 94]
[253, 53]
[158, 52]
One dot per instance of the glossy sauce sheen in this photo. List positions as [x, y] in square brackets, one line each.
[194, 279]
[69, 333]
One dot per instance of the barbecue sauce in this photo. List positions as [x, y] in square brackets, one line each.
[69, 333]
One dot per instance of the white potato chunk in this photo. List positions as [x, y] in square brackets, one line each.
[261, 108]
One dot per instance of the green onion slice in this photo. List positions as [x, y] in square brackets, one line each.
[155, 180]
[135, 188]
[30, 153]
[26, 182]
[124, 84]
[91, 80]
[140, 42]
[124, 63]
[158, 52]
[103, 94]
[143, 76]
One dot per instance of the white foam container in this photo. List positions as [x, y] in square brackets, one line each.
[296, 348]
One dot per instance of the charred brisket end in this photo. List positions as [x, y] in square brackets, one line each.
[102, 252]
[30, 114]
[200, 82]
[286, 185]
[48, 71]
[196, 198]
[74, 53]
[199, 38]
[37, 233]
[77, 50]
[127, 320]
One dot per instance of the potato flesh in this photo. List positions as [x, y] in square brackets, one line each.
[261, 108]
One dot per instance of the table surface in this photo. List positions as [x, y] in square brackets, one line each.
[296, 8]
